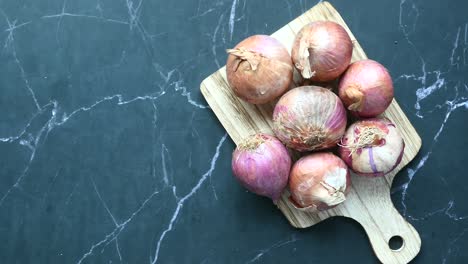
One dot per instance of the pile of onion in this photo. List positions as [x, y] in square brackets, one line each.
[322, 51]
[366, 88]
[372, 147]
[262, 163]
[309, 118]
[259, 69]
[319, 181]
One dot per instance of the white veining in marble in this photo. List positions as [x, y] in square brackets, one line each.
[232, 17]
[276, 245]
[181, 201]
[112, 236]
[10, 45]
[455, 95]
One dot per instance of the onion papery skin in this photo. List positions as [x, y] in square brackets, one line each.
[322, 51]
[376, 156]
[309, 118]
[262, 164]
[259, 69]
[366, 88]
[319, 181]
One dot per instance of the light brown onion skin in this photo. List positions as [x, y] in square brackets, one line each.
[322, 51]
[262, 164]
[260, 70]
[378, 158]
[309, 118]
[308, 179]
[366, 88]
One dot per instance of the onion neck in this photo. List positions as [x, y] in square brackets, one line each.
[337, 196]
[253, 58]
[311, 209]
[252, 143]
[368, 137]
[356, 97]
[305, 65]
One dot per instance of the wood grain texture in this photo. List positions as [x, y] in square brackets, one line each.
[369, 200]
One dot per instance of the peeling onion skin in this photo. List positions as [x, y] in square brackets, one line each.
[309, 118]
[366, 88]
[318, 182]
[381, 153]
[322, 51]
[259, 69]
[262, 164]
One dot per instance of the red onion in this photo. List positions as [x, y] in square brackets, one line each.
[309, 118]
[322, 50]
[259, 69]
[372, 147]
[366, 88]
[262, 163]
[319, 181]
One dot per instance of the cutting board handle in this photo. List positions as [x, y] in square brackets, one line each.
[395, 228]
[381, 221]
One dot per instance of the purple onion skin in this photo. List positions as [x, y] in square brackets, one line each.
[272, 75]
[375, 160]
[366, 88]
[309, 118]
[349, 160]
[322, 51]
[262, 165]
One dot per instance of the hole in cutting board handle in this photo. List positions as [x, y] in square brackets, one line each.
[396, 243]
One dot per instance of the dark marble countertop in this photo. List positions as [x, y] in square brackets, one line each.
[109, 153]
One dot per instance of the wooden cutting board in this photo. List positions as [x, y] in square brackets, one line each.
[368, 201]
